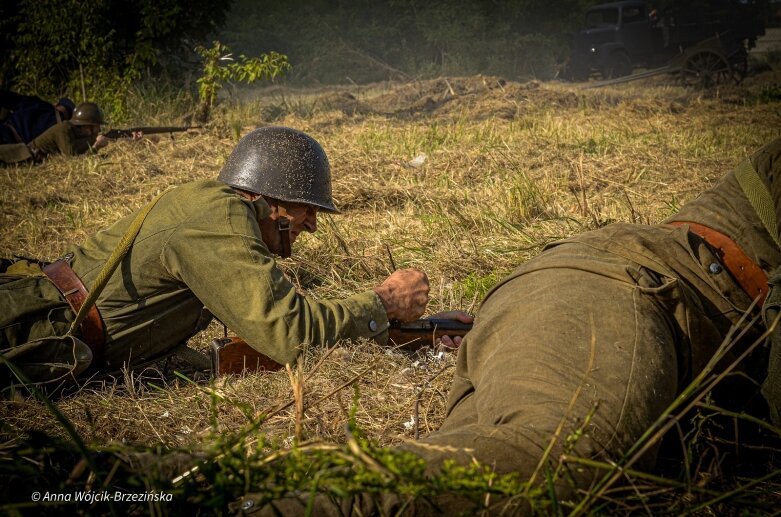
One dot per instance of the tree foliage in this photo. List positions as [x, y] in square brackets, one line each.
[332, 40]
[97, 48]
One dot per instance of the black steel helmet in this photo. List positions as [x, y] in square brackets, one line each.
[281, 163]
[87, 114]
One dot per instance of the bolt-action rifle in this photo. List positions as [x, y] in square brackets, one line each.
[234, 355]
[147, 130]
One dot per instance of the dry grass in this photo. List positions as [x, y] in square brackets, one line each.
[509, 167]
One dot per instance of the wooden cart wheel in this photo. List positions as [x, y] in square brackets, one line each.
[706, 68]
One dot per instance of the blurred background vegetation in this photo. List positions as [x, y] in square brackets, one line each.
[371, 40]
[98, 50]
[102, 49]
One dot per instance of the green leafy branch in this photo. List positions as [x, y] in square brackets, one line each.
[219, 66]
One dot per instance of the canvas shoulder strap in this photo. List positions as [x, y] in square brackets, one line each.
[759, 197]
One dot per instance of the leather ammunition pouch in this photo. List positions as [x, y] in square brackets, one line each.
[49, 360]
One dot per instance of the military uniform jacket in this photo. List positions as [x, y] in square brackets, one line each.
[200, 252]
[60, 138]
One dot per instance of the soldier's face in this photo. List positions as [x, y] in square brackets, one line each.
[302, 218]
[88, 130]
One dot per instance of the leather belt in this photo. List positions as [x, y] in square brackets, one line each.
[749, 275]
[72, 289]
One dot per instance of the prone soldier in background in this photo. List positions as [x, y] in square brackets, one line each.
[71, 137]
[205, 248]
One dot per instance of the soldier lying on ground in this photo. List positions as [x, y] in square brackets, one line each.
[614, 322]
[78, 135]
[29, 116]
[206, 248]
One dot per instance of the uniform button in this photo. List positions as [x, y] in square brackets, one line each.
[715, 268]
[373, 326]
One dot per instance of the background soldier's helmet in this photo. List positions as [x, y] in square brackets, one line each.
[87, 114]
[281, 163]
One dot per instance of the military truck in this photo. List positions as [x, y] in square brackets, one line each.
[705, 41]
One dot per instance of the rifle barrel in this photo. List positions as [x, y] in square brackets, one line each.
[147, 130]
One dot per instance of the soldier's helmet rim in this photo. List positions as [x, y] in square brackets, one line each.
[87, 114]
[282, 163]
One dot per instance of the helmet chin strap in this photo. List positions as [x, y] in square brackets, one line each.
[283, 225]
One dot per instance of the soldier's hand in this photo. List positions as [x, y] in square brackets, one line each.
[101, 141]
[452, 343]
[404, 294]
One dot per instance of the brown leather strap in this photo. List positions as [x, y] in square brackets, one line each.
[69, 284]
[283, 224]
[749, 275]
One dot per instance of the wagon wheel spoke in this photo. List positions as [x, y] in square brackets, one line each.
[706, 69]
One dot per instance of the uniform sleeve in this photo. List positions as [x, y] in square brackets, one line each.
[60, 138]
[56, 139]
[223, 260]
[14, 153]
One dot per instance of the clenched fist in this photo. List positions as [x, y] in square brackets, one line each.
[404, 294]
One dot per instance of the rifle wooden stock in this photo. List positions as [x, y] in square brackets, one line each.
[147, 130]
[232, 355]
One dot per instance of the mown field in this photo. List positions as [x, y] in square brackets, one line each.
[464, 178]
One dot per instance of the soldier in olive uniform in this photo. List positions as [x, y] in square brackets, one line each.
[206, 248]
[71, 137]
[614, 322]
